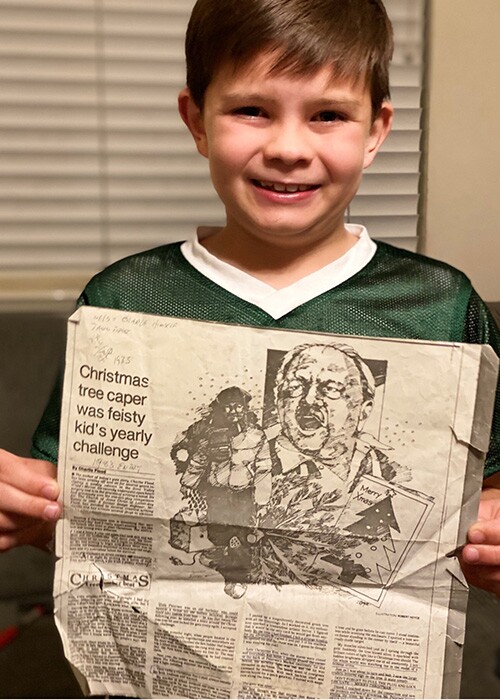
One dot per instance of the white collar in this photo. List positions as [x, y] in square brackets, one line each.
[278, 302]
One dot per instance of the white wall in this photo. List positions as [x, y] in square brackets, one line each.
[462, 207]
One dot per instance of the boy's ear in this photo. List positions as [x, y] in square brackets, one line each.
[379, 131]
[191, 116]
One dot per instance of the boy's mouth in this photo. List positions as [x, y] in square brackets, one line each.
[283, 187]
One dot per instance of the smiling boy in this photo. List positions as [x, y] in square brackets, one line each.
[286, 156]
[289, 101]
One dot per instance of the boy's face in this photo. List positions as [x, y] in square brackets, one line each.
[286, 153]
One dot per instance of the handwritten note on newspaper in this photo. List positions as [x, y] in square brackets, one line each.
[265, 513]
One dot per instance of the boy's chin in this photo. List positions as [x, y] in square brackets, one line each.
[288, 235]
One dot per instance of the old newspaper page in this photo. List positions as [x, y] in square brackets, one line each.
[265, 513]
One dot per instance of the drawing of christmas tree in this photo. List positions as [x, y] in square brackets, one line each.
[375, 527]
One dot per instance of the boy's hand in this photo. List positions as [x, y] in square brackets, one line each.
[480, 559]
[28, 501]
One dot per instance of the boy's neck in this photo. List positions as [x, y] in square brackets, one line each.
[277, 265]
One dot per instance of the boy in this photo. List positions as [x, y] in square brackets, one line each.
[289, 101]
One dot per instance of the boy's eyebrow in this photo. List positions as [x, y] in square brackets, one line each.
[247, 97]
[345, 102]
[340, 102]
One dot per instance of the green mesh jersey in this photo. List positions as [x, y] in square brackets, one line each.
[397, 295]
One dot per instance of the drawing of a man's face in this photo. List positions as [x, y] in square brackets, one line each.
[231, 407]
[320, 400]
[235, 411]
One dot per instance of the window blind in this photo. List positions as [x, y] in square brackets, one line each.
[95, 162]
[387, 201]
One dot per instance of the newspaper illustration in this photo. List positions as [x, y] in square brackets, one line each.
[265, 513]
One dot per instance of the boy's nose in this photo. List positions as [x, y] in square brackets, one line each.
[288, 143]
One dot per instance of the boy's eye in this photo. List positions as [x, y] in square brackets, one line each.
[328, 115]
[249, 111]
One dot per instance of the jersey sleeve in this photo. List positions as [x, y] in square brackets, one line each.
[481, 327]
[45, 441]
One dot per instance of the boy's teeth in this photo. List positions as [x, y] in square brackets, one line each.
[279, 187]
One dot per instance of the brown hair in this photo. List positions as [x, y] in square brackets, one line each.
[353, 36]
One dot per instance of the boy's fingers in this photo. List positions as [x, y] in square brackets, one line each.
[38, 535]
[28, 506]
[11, 521]
[482, 555]
[480, 558]
[33, 476]
[486, 577]
[14, 501]
[485, 532]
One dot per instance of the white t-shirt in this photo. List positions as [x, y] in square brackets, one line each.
[278, 302]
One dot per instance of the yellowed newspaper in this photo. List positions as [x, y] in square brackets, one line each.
[265, 513]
